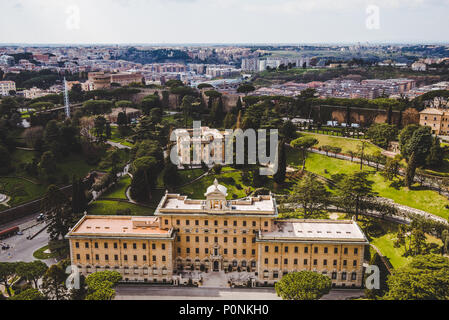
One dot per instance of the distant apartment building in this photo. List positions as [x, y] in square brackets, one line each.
[6, 87]
[419, 66]
[102, 80]
[436, 119]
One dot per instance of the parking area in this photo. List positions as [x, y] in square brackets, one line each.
[22, 249]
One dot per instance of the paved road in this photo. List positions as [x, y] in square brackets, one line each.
[150, 292]
[21, 221]
[23, 249]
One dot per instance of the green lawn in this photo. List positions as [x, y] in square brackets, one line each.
[423, 199]
[119, 190]
[386, 247]
[117, 137]
[228, 177]
[345, 144]
[31, 191]
[104, 207]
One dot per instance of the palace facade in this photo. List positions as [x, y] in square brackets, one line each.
[218, 235]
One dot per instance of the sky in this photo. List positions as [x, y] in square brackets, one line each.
[223, 21]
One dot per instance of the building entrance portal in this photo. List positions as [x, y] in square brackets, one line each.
[216, 266]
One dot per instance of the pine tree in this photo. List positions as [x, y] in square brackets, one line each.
[279, 177]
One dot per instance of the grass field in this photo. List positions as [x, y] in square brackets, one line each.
[228, 177]
[31, 191]
[344, 143]
[423, 199]
[119, 190]
[104, 207]
[116, 137]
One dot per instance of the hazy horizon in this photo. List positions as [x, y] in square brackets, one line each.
[178, 22]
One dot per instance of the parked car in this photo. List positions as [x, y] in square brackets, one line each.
[40, 217]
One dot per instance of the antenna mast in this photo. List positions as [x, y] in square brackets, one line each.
[66, 99]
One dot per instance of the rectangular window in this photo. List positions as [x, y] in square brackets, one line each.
[345, 262]
[235, 223]
[78, 256]
[187, 238]
[144, 246]
[234, 239]
[163, 246]
[206, 239]
[305, 261]
[87, 257]
[225, 223]
[178, 222]
[253, 252]
[266, 248]
[254, 223]
[187, 222]
[315, 262]
[154, 258]
[306, 249]
[315, 250]
[125, 257]
[77, 244]
[335, 250]
[345, 251]
[225, 251]
[225, 239]
[86, 245]
[97, 257]
[234, 251]
[295, 261]
[116, 257]
[153, 246]
[325, 249]
[296, 249]
[206, 251]
[135, 258]
[134, 246]
[144, 258]
[356, 250]
[276, 261]
[266, 260]
[285, 261]
[163, 258]
[96, 245]
[266, 224]
[276, 249]
[244, 223]
[206, 222]
[354, 276]
[324, 262]
[106, 257]
[244, 240]
[335, 262]
[216, 223]
[125, 246]
[354, 263]
[187, 250]
[166, 221]
[343, 276]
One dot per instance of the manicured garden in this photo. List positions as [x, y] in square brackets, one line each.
[345, 144]
[419, 198]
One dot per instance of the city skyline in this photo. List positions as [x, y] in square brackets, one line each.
[223, 21]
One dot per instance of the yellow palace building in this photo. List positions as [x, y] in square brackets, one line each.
[189, 238]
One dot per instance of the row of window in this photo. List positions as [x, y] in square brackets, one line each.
[334, 275]
[216, 223]
[116, 257]
[225, 239]
[225, 251]
[315, 262]
[315, 250]
[115, 245]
